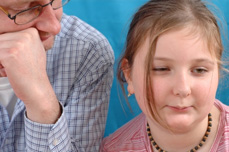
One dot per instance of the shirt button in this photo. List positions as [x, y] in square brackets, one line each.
[55, 142]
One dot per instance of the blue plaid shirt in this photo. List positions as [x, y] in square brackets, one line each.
[80, 69]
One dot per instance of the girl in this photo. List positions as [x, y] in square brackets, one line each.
[171, 63]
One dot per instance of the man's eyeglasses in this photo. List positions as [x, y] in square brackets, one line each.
[28, 15]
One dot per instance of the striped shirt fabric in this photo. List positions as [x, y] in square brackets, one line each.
[132, 137]
[80, 69]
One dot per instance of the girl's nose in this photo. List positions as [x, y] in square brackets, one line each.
[182, 86]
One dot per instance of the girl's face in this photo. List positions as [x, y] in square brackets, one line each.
[184, 79]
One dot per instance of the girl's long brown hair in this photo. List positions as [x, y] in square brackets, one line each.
[159, 16]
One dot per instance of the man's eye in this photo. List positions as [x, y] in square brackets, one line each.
[24, 7]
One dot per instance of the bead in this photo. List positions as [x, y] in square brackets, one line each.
[196, 148]
[192, 150]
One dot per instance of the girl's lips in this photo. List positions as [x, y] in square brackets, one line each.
[180, 109]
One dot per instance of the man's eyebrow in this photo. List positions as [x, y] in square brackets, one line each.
[26, 1]
[9, 3]
[21, 4]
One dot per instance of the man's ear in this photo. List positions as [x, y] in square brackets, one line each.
[127, 74]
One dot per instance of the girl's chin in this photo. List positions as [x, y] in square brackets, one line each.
[179, 128]
[179, 125]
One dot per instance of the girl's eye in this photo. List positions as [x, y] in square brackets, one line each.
[161, 69]
[199, 70]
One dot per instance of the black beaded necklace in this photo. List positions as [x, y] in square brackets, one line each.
[192, 150]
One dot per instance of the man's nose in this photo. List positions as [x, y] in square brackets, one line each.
[48, 21]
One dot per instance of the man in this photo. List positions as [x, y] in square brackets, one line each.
[55, 100]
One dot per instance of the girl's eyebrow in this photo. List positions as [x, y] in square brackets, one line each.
[200, 60]
[204, 61]
[162, 58]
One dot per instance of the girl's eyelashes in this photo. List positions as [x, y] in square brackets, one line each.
[200, 70]
[197, 70]
[162, 69]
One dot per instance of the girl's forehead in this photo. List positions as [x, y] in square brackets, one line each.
[179, 42]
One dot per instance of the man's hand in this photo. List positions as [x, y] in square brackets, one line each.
[23, 61]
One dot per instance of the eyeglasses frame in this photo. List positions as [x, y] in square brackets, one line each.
[42, 6]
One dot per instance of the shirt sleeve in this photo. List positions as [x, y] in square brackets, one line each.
[90, 97]
[82, 123]
[47, 137]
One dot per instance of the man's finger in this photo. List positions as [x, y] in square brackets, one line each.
[3, 73]
[1, 67]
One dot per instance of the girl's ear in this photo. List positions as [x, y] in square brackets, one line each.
[127, 74]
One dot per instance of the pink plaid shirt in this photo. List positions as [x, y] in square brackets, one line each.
[132, 137]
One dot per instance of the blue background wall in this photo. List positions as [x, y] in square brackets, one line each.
[112, 18]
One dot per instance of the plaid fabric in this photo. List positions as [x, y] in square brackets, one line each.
[132, 137]
[80, 69]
